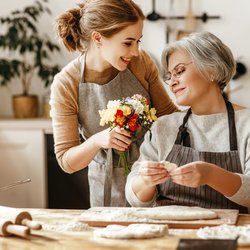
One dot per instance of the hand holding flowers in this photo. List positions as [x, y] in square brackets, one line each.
[130, 114]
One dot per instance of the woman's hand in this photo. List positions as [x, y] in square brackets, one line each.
[152, 173]
[193, 174]
[149, 175]
[199, 173]
[116, 138]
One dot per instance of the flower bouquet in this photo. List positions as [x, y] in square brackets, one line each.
[130, 113]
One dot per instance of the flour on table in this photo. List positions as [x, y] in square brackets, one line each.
[132, 231]
[226, 232]
[149, 214]
[111, 214]
[73, 226]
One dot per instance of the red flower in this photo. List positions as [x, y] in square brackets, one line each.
[132, 122]
[119, 118]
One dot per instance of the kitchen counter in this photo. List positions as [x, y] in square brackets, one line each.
[27, 151]
[23, 155]
[49, 238]
[31, 123]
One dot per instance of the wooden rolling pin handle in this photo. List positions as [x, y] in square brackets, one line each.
[3, 227]
[20, 216]
[18, 230]
[31, 224]
[7, 228]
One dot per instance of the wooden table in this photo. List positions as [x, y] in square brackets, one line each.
[52, 240]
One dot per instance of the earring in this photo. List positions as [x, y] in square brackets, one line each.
[211, 79]
[98, 45]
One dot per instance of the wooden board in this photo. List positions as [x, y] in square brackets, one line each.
[225, 216]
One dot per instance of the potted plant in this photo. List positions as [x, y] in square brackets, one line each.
[24, 53]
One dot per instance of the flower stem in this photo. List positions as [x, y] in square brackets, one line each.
[125, 163]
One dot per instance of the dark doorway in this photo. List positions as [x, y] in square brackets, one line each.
[65, 191]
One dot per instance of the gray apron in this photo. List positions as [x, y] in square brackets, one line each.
[106, 178]
[203, 196]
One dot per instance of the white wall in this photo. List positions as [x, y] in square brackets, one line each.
[232, 28]
[46, 26]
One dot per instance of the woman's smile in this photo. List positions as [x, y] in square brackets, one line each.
[126, 60]
[178, 91]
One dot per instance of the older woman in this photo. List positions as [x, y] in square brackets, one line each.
[209, 143]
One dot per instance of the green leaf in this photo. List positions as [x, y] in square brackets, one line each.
[23, 40]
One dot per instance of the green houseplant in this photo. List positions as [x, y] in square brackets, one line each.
[24, 53]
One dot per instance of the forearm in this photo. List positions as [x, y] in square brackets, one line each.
[223, 181]
[143, 193]
[78, 157]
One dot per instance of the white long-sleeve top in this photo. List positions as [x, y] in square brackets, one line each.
[207, 133]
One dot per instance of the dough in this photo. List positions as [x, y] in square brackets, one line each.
[175, 212]
[226, 232]
[169, 166]
[138, 231]
[148, 214]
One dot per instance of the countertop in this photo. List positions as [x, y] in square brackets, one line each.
[61, 240]
[44, 124]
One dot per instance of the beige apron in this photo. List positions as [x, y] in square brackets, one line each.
[182, 153]
[106, 179]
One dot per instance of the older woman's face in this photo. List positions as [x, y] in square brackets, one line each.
[186, 83]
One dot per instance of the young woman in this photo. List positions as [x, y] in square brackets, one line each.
[211, 147]
[111, 66]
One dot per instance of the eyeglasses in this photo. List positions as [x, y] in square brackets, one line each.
[176, 72]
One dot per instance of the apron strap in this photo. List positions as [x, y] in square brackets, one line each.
[108, 179]
[82, 64]
[231, 125]
[183, 136]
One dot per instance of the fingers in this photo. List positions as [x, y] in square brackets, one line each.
[120, 139]
[122, 131]
[188, 168]
[148, 168]
[186, 176]
[152, 173]
[182, 177]
[119, 144]
[154, 180]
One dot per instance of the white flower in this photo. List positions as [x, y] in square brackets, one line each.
[113, 104]
[107, 115]
[137, 106]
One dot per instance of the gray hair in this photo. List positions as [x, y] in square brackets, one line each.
[211, 57]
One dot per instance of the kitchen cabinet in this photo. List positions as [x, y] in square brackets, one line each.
[27, 151]
[22, 156]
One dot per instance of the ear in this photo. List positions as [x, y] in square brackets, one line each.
[211, 77]
[96, 38]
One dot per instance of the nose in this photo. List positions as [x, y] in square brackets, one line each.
[173, 81]
[135, 50]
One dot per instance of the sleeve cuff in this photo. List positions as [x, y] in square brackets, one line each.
[133, 199]
[242, 196]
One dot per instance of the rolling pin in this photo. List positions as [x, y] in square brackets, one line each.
[19, 217]
[7, 228]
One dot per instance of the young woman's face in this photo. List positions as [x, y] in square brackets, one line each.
[120, 49]
[188, 86]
